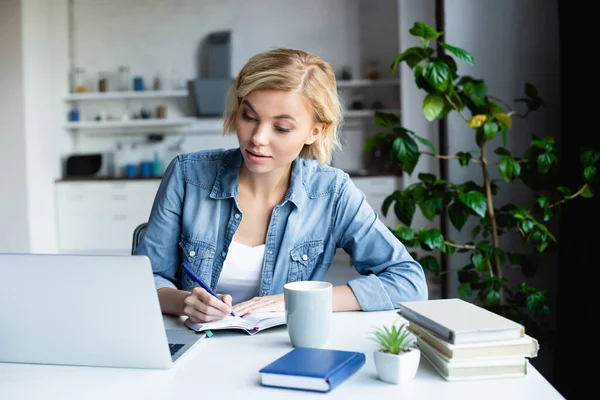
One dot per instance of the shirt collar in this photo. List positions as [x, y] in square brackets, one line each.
[228, 178]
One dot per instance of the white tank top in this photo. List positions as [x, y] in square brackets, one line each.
[242, 272]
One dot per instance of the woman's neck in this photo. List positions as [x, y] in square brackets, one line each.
[271, 186]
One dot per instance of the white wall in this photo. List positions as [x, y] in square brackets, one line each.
[412, 112]
[14, 230]
[45, 60]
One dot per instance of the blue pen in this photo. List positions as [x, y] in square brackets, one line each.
[200, 282]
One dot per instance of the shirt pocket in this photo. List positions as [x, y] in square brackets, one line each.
[303, 259]
[199, 256]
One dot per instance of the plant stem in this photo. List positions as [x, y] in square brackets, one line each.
[456, 108]
[494, 228]
[581, 189]
[460, 246]
[445, 157]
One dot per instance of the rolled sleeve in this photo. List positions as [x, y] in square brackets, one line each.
[161, 238]
[389, 273]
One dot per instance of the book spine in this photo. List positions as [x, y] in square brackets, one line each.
[346, 370]
[427, 324]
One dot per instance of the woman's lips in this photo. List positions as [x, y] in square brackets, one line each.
[255, 157]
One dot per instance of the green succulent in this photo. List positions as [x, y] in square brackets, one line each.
[394, 339]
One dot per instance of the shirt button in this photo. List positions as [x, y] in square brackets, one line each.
[270, 251]
[304, 257]
[192, 253]
[275, 212]
[265, 293]
[223, 254]
[237, 216]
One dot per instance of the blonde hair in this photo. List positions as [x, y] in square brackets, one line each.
[293, 70]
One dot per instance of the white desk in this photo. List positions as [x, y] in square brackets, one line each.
[226, 365]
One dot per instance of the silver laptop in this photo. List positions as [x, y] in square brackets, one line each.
[92, 310]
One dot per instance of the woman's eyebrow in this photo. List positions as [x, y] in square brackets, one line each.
[282, 116]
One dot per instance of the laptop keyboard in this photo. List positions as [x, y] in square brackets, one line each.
[175, 347]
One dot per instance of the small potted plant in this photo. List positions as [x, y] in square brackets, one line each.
[397, 358]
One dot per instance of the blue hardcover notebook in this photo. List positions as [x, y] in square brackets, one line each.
[313, 369]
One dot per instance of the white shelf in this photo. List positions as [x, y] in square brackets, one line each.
[135, 123]
[147, 94]
[367, 83]
[367, 113]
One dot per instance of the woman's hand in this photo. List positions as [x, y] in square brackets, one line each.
[201, 306]
[260, 304]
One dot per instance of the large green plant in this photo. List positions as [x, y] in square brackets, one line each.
[483, 278]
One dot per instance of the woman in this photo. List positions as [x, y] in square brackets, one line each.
[251, 219]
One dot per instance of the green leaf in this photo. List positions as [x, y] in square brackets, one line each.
[542, 201]
[458, 214]
[476, 91]
[589, 173]
[412, 56]
[424, 31]
[373, 142]
[433, 238]
[535, 301]
[544, 162]
[509, 168]
[458, 52]
[547, 214]
[386, 120]
[431, 207]
[464, 291]
[430, 263]
[387, 203]
[426, 143]
[405, 149]
[464, 158]
[587, 192]
[427, 178]
[492, 298]
[484, 245]
[479, 262]
[476, 201]
[527, 226]
[475, 231]
[564, 190]
[433, 105]
[437, 73]
[502, 151]
[405, 233]
[590, 157]
[404, 209]
[490, 129]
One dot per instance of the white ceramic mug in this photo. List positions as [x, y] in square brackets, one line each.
[308, 308]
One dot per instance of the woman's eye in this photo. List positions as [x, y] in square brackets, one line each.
[247, 117]
[284, 130]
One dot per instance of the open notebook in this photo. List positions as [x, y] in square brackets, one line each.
[251, 323]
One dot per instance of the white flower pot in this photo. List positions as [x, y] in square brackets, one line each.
[397, 368]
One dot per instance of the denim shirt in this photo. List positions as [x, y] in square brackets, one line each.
[196, 214]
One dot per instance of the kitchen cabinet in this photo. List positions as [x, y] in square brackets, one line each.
[100, 216]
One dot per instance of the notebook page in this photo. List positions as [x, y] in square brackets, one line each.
[266, 319]
[225, 323]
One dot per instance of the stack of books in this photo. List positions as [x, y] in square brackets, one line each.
[463, 341]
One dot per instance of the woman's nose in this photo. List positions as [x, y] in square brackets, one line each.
[260, 136]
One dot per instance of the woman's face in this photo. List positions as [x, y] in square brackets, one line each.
[272, 127]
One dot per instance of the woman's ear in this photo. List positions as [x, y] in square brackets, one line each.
[316, 133]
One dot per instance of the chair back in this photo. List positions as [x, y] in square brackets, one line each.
[138, 233]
